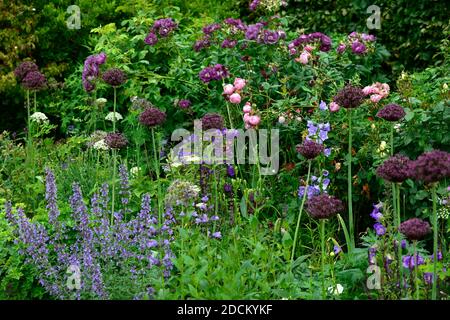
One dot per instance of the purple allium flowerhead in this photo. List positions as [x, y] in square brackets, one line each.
[358, 47]
[379, 229]
[34, 80]
[323, 206]
[395, 169]
[415, 228]
[391, 112]
[349, 97]
[431, 166]
[22, 69]
[184, 103]
[309, 149]
[116, 140]
[151, 39]
[212, 121]
[114, 77]
[152, 117]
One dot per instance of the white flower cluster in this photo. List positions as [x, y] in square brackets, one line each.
[135, 171]
[39, 117]
[100, 102]
[100, 145]
[110, 116]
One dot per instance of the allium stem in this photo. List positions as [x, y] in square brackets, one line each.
[392, 139]
[300, 213]
[35, 103]
[349, 184]
[435, 244]
[397, 224]
[113, 185]
[114, 110]
[416, 280]
[29, 119]
[322, 260]
[156, 164]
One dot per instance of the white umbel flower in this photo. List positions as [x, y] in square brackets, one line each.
[100, 145]
[39, 117]
[110, 116]
[100, 102]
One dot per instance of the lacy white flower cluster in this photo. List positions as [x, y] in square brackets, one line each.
[39, 117]
[100, 145]
[110, 116]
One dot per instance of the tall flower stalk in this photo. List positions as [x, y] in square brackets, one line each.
[435, 243]
[310, 150]
[431, 167]
[297, 228]
[350, 97]
[152, 117]
[323, 207]
[349, 184]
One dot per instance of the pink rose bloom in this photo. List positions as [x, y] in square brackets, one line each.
[247, 108]
[334, 107]
[375, 98]
[246, 117]
[228, 89]
[304, 57]
[239, 83]
[292, 51]
[308, 48]
[369, 90]
[385, 89]
[254, 120]
[235, 98]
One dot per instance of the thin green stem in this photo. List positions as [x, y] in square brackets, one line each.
[322, 260]
[397, 225]
[156, 165]
[35, 102]
[114, 110]
[416, 280]
[349, 184]
[392, 139]
[229, 116]
[435, 244]
[300, 213]
[113, 185]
